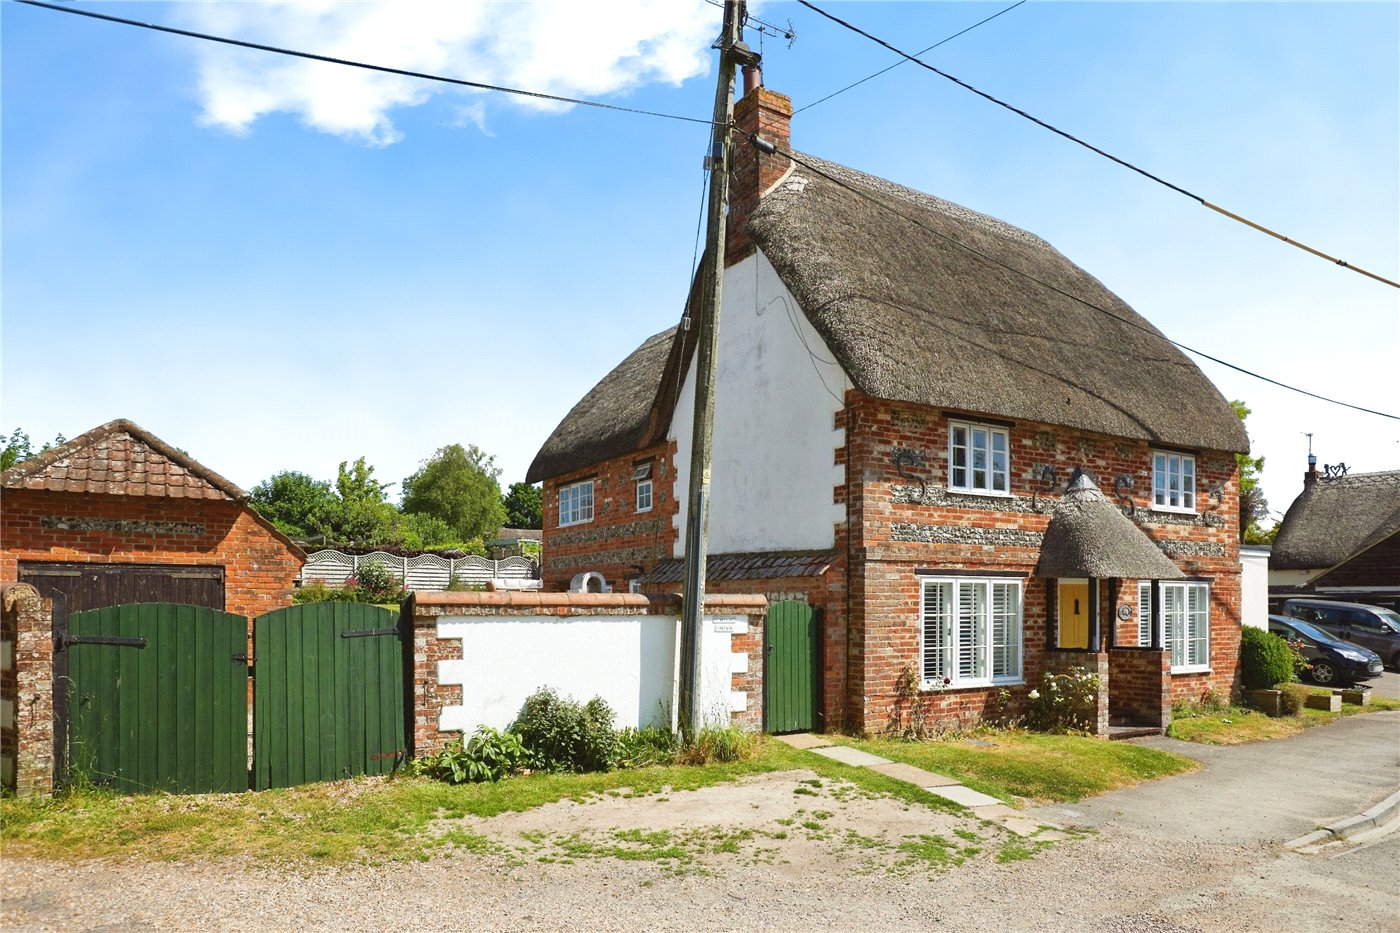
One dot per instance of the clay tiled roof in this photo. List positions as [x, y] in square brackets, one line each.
[767, 566]
[120, 458]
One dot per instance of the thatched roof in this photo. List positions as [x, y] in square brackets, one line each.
[120, 458]
[913, 317]
[613, 418]
[1333, 519]
[1089, 537]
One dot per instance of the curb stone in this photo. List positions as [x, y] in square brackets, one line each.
[1376, 816]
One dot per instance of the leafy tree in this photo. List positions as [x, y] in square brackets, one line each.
[362, 514]
[1253, 506]
[18, 447]
[422, 532]
[298, 505]
[524, 506]
[459, 486]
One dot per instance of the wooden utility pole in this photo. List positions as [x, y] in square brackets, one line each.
[731, 51]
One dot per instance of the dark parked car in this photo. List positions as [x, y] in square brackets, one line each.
[1333, 662]
[1368, 626]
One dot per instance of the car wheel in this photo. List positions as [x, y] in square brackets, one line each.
[1323, 672]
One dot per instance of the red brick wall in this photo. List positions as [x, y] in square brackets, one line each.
[769, 114]
[619, 539]
[259, 566]
[1139, 686]
[901, 528]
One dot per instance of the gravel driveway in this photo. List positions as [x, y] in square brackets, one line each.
[781, 852]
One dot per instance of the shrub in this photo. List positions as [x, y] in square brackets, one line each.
[1294, 697]
[720, 743]
[563, 735]
[376, 583]
[1066, 702]
[1264, 659]
[314, 592]
[639, 748]
[488, 755]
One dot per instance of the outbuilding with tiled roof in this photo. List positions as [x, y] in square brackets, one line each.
[117, 516]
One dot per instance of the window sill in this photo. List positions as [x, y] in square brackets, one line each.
[643, 511]
[938, 687]
[1171, 511]
[985, 493]
[1191, 670]
[587, 521]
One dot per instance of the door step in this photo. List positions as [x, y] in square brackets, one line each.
[1116, 733]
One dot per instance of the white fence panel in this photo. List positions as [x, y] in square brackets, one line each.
[425, 572]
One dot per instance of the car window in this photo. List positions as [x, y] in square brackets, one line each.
[1361, 619]
[1390, 619]
[1310, 635]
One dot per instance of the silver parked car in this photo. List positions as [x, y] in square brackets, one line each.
[1368, 626]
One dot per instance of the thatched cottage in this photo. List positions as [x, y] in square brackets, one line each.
[906, 388]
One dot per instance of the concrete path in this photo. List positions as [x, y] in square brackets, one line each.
[984, 806]
[1266, 792]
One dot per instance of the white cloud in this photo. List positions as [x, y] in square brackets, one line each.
[563, 47]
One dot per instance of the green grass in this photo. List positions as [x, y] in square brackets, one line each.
[368, 819]
[1011, 764]
[1238, 726]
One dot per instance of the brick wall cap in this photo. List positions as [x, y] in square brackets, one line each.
[515, 598]
[18, 595]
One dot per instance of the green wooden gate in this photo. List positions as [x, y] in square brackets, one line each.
[790, 676]
[157, 698]
[328, 693]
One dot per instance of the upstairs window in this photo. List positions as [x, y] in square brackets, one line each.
[576, 503]
[979, 459]
[641, 474]
[1173, 482]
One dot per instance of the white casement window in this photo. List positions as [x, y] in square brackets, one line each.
[641, 474]
[971, 632]
[979, 458]
[1173, 482]
[1185, 611]
[576, 503]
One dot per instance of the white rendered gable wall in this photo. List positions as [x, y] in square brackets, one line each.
[776, 397]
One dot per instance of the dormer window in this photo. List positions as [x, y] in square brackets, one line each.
[1173, 482]
[979, 458]
[641, 475]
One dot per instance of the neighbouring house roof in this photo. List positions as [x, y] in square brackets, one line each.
[120, 458]
[1333, 519]
[1089, 536]
[768, 566]
[913, 316]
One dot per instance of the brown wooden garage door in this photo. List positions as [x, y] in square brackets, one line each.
[80, 587]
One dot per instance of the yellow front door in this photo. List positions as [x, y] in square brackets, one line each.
[1073, 614]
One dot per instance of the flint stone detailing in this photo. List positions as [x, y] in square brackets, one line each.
[909, 495]
[630, 555]
[589, 535]
[1150, 519]
[121, 526]
[1191, 548]
[961, 534]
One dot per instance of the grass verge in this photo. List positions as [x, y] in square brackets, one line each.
[370, 820]
[1012, 763]
[1240, 726]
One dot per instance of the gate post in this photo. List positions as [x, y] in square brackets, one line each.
[26, 675]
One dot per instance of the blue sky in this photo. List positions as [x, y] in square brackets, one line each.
[281, 266]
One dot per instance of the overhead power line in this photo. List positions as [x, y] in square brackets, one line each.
[349, 63]
[1092, 148]
[902, 61]
[856, 190]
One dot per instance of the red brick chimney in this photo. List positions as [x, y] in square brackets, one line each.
[769, 115]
